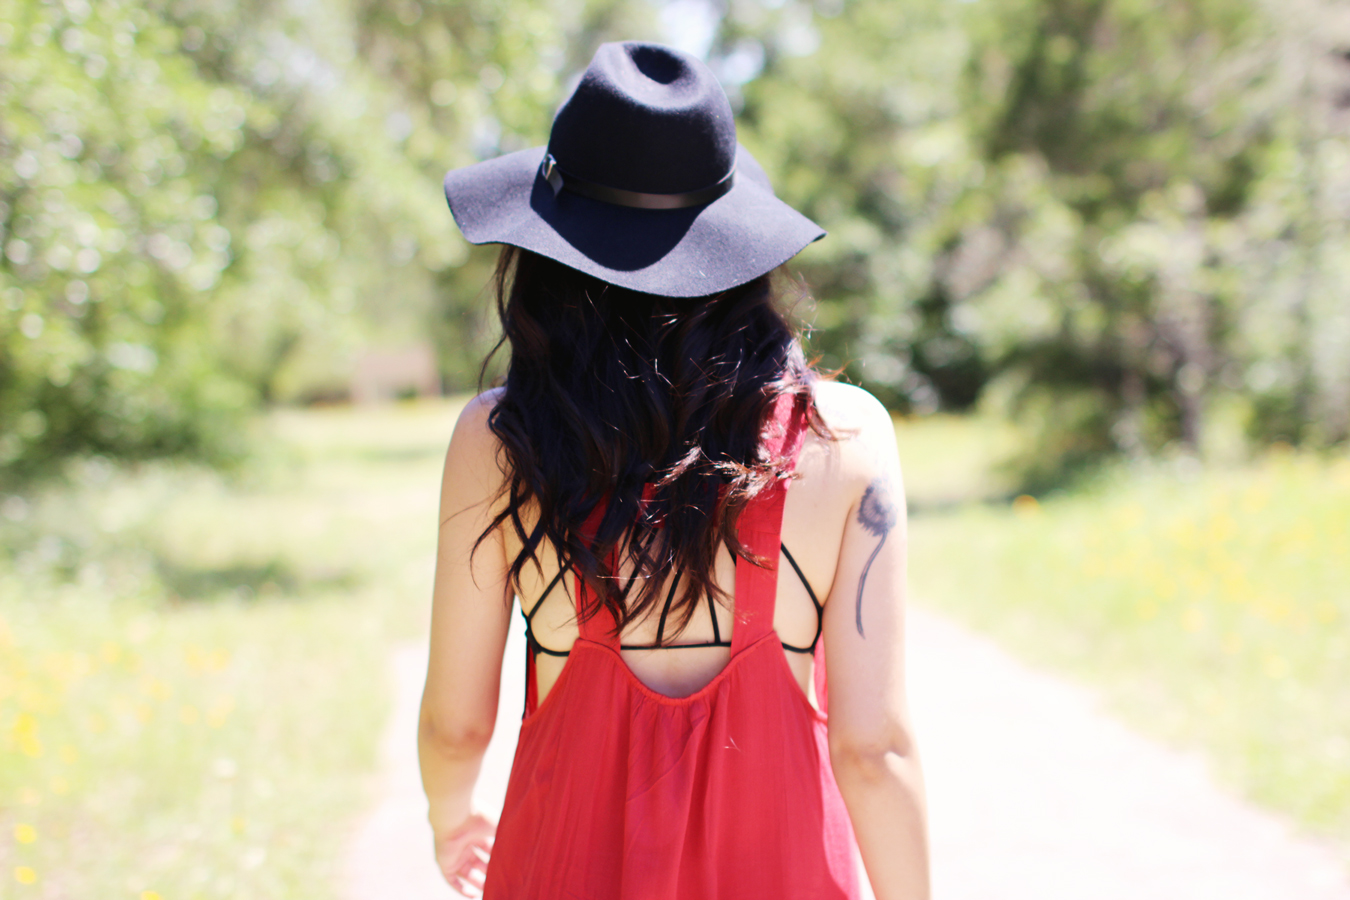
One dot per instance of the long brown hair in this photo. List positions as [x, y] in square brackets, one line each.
[611, 393]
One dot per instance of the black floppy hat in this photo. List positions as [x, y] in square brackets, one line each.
[642, 184]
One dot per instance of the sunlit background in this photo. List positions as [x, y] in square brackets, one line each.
[1095, 254]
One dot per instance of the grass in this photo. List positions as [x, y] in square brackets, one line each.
[1211, 606]
[952, 460]
[193, 666]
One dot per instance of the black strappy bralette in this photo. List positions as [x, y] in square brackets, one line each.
[536, 648]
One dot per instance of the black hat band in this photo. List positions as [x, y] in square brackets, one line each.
[559, 181]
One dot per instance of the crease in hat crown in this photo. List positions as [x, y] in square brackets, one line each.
[647, 119]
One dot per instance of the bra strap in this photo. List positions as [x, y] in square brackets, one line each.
[760, 528]
[761, 525]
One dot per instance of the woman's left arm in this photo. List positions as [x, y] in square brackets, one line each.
[471, 611]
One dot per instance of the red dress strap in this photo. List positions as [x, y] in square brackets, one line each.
[760, 529]
[599, 626]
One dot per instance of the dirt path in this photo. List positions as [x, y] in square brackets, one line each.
[390, 857]
[1033, 793]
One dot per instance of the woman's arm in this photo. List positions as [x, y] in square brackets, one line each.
[872, 747]
[469, 620]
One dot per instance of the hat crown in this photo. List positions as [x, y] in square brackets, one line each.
[646, 118]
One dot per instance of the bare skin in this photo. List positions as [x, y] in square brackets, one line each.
[851, 551]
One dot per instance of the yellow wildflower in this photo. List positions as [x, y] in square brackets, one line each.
[1193, 620]
[157, 688]
[25, 732]
[1276, 666]
[220, 711]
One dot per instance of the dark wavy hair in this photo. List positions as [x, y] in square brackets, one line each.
[650, 407]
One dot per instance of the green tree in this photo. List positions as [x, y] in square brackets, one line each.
[1116, 210]
[853, 110]
[1125, 215]
[209, 204]
[1138, 200]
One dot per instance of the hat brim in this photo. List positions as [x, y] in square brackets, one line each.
[673, 252]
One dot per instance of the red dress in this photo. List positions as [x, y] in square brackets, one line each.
[618, 791]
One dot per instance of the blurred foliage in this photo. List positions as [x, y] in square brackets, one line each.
[1116, 214]
[1122, 214]
[208, 204]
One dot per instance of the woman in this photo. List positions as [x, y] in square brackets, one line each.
[630, 483]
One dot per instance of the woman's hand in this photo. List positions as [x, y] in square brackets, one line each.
[463, 854]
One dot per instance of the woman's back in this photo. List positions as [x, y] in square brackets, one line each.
[618, 791]
[829, 477]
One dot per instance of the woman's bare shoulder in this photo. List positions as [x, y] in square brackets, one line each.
[475, 413]
[471, 428]
[847, 407]
[863, 429]
[473, 452]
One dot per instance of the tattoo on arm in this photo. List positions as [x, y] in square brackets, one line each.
[877, 514]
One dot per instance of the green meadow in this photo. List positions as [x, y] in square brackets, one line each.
[1210, 605]
[193, 664]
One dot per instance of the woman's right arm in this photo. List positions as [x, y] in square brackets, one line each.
[872, 748]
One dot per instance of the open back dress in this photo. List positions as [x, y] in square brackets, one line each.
[618, 792]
